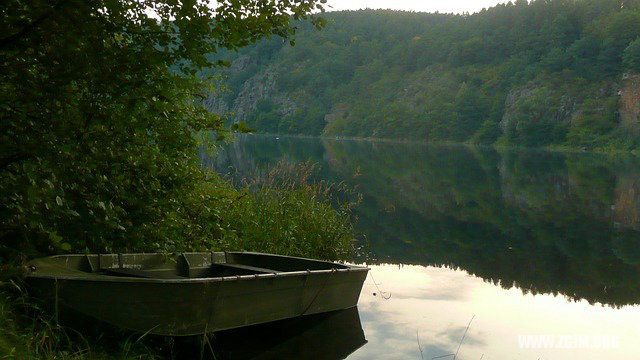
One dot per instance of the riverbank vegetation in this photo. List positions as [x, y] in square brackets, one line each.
[101, 125]
[535, 74]
[280, 209]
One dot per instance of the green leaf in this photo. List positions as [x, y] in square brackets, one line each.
[73, 213]
[55, 238]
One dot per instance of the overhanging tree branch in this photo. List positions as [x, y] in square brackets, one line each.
[13, 38]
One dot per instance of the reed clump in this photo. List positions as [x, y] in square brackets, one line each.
[285, 210]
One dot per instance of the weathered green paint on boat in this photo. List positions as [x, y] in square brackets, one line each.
[194, 293]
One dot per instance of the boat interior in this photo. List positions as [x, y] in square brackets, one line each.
[183, 265]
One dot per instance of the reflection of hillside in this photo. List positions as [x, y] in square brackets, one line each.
[531, 219]
[544, 222]
[627, 204]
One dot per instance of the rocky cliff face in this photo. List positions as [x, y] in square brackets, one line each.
[510, 104]
[629, 103]
[216, 104]
[565, 106]
[538, 107]
[261, 86]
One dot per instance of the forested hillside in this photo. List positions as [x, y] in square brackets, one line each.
[548, 72]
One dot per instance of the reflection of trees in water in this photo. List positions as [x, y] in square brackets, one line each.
[626, 208]
[544, 222]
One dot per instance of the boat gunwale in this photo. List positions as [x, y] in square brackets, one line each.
[91, 277]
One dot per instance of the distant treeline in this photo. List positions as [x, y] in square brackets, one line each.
[546, 72]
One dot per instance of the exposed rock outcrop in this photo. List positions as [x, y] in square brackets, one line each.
[510, 106]
[629, 103]
[216, 104]
[563, 106]
[536, 105]
[261, 86]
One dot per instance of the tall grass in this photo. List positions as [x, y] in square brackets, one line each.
[285, 210]
[29, 332]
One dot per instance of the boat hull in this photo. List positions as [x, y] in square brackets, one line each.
[191, 306]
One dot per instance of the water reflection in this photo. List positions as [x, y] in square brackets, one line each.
[435, 305]
[330, 336]
[546, 223]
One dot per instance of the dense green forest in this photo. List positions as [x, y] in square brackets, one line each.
[539, 73]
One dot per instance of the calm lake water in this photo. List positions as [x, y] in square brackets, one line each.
[525, 254]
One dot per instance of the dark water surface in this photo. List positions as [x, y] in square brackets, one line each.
[539, 250]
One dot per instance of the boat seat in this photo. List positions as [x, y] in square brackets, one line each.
[246, 267]
[140, 273]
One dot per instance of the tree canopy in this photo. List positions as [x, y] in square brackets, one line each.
[100, 115]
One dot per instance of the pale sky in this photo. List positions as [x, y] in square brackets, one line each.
[443, 6]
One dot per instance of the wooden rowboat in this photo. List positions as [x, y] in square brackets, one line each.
[194, 293]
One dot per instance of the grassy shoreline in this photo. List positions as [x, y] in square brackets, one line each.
[284, 211]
